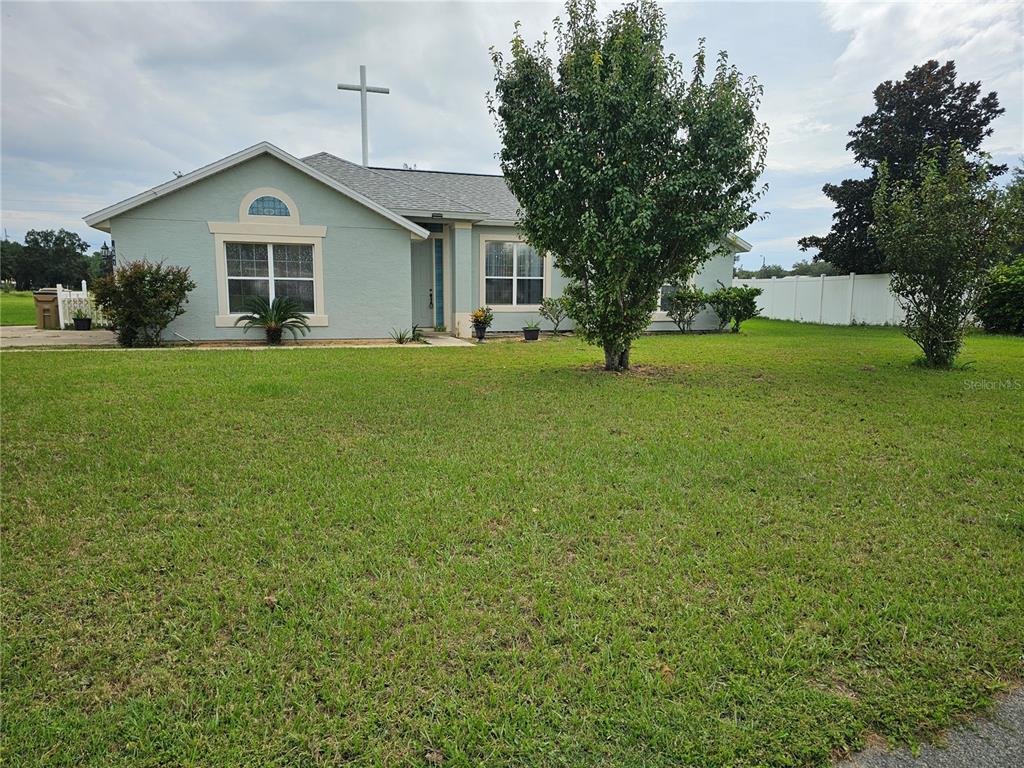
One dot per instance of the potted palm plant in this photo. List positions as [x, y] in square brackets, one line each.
[531, 331]
[481, 319]
[275, 317]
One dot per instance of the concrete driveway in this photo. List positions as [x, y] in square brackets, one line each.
[12, 336]
[992, 742]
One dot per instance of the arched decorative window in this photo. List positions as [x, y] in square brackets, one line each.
[268, 205]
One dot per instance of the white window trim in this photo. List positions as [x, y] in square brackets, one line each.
[268, 234]
[293, 211]
[546, 292]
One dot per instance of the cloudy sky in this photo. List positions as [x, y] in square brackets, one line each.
[101, 101]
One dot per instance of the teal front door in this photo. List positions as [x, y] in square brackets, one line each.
[423, 283]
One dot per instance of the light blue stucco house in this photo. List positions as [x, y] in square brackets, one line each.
[364, 250]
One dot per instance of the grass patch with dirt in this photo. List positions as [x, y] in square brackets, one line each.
[758, 549]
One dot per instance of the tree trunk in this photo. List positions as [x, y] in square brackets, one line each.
[616, 359]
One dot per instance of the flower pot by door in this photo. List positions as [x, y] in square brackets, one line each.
[83, 323]
[479, 331]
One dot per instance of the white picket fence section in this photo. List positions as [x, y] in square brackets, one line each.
[840, 300]
[70, 301]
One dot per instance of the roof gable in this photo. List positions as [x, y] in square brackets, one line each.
[100, 219]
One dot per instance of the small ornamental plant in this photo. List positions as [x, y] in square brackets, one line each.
[554, 311]
[275, 317]
[481, 319]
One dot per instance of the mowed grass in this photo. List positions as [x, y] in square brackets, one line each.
[757, 549]
[17, 308]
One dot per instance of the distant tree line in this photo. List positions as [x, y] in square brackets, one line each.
[48, 257]
[803, 268]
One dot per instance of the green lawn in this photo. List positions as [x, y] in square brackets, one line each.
[17, 308]
[755, 550]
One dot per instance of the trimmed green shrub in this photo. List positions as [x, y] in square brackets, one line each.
[744, 305]
[721, 302]
[141, 298]
[1001, 305]
[684, 304]
[734, 304]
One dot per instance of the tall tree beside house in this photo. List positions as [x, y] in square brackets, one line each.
[927, 111]
[626, 170]
[45, 259]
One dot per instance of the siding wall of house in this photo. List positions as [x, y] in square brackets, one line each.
[717, 268]
[366, 258]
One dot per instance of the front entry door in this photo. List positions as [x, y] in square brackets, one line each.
[423, 283]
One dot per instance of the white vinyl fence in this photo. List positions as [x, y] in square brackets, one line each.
[69, 302]
[841, 300]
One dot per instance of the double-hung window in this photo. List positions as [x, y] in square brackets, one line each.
[269, 270]
[513, 274]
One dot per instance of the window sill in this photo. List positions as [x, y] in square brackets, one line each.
[228, 321]
[516, 308]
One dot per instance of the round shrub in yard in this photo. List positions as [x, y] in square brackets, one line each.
[1001, 305]
[141, 299]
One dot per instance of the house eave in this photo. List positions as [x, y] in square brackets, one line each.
[737, 242]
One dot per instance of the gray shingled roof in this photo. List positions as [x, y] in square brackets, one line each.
[489, 193]
[487, 197]
[391, 192]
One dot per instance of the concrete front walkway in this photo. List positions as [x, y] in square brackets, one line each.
[438, 339]
[993, 742]
[25, 336]
[29, 336]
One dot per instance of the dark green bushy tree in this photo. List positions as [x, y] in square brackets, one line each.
[141, 299]
[1001, 305]
[627, 171]
[48, 257]
[926, 111]
[940, 236]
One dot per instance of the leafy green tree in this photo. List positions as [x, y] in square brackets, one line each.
[627, 171]
[11, 253]
[1001, 304]
[927, 111]
[46, 258]
[812, 269]
[940, 237]
[1013, 210]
